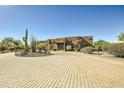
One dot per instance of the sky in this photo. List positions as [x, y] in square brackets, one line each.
[45, 22]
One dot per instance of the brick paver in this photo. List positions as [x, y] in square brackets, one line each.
[60, 71]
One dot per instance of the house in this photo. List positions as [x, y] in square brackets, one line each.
[68, 43]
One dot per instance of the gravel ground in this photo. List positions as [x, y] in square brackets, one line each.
[62, 70]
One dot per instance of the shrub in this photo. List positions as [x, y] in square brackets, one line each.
[117, 49]
[87, 50]
[105, 48]
[19, 47]
[102, 45]
[41, 47]
[3, 47]
[18, 44]
[20, 53]
[11, 48]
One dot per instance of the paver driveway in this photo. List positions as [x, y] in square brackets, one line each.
[60, 71]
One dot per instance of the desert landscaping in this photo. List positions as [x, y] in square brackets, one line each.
[35, 65]
[62, 47]
[61, 70]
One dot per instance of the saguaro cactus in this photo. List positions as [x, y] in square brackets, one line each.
[25, 39]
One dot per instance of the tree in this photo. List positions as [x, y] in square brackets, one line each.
[18, 44]
[121, 36]
[102, 45]
[9, 42]
[8, 39]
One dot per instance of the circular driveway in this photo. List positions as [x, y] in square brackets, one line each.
[61, 70]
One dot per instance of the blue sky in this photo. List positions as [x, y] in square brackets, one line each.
[102, 22]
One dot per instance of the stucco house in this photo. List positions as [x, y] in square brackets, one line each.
[68, 43]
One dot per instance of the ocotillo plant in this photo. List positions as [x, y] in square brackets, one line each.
[33, 44]
[25, 39]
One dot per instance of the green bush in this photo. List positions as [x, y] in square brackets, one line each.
[102, 45]
[18, 44]
[3, 47]
[87, 50]
[41, 47]
[19, 47]
[117, 49]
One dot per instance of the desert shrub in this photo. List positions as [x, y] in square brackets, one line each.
[18, 44]
[117, 49]
[41, 47]
[105, 48]
[19, 47]
[11, 48]
[87, 50]
[3, 47]
[102, 45]
[20, 52]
